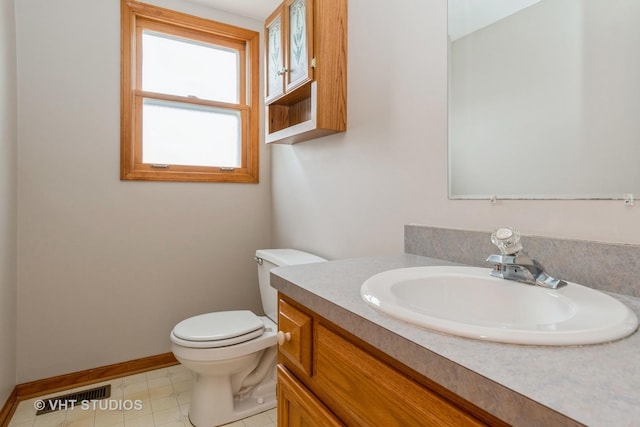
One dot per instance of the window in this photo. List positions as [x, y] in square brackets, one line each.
[189, 98]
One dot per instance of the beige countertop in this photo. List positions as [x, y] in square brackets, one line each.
[597, 385]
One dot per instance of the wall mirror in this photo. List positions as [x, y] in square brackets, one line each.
[544, 99]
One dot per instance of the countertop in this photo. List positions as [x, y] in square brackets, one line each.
[597, 385]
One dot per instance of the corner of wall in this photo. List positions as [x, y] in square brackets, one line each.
[8, 195]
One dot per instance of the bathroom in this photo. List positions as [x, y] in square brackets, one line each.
[96, 271]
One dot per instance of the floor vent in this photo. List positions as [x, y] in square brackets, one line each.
[68, 401]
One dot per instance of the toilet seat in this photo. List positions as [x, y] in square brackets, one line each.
[218, 329]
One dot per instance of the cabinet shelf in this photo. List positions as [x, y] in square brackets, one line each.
[294, 118]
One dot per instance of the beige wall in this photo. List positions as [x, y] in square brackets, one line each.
[350, 194]
[107, 268]
[8, 200]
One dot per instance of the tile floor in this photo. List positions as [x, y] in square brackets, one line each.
[152, 399]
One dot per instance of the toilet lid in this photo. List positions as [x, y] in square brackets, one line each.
[220, 326]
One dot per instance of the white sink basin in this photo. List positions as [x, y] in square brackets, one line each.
[468, 302]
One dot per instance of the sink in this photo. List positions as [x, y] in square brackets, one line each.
[468, 302]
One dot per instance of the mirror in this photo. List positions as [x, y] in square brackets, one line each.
[544, 99]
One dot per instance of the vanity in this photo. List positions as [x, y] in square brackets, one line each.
[344, 363]
[352, 380]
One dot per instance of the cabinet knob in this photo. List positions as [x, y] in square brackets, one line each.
[282, 71]
[283, 337]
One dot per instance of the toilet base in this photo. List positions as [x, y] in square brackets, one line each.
[208, 414]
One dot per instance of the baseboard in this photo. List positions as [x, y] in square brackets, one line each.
[9, 408]
[90, 376]
[78, 379]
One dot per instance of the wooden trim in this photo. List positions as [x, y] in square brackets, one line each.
[331, 64]
[186, 100]
[136, 15]
[127, 81]
[90, 376]
[9, 408]
[187, 21]
[77, 379]
[253, 99]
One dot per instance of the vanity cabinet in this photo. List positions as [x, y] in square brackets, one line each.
[297, 406]
[305, 77]
[347, 382]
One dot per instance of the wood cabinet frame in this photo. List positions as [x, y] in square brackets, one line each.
[360, 385]
[311, 107]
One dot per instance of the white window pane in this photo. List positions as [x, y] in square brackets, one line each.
[184, 134]
[188, 68]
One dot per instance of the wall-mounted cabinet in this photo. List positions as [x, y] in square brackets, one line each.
[306, 70]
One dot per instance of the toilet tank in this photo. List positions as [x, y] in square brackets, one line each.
[270, 258]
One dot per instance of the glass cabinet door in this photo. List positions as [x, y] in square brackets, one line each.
[275, 56]
[299, 42]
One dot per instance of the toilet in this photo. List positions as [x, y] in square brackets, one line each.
[233, 353]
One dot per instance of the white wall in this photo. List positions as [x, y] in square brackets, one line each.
[8, 201]
[350, 194]
[106, 266]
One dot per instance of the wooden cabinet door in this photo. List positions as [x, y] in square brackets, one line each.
[364, 391]
[294, 337]
[299, 42]
[288, 48]
[297, 407]
[274, 51]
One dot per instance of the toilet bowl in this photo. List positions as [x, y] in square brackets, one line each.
[233, 353]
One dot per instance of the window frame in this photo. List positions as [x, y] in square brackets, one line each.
[136, 17]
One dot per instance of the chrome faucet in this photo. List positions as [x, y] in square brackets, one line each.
[514, 264]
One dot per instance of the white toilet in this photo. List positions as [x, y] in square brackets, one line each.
[233, 353]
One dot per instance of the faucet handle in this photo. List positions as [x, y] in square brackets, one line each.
[507, 240]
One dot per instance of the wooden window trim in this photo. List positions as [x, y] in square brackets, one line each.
[133, 14]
